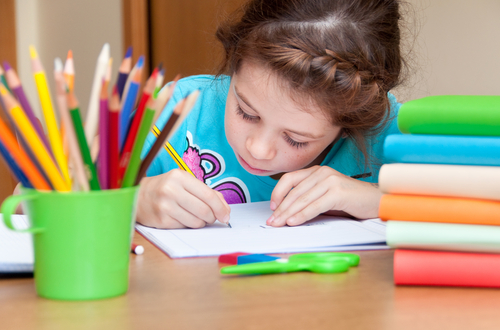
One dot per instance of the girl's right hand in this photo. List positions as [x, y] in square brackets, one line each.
[177, 199]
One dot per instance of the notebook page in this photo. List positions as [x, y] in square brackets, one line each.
[249, 233]
[16, 249]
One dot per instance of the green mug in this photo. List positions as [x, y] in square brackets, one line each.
[81, 240]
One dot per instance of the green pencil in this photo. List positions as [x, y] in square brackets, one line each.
[3, 79]
[82, 141]
[135, 156]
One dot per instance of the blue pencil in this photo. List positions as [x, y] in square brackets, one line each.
[124, 71]
[130, 101]
[16, 171]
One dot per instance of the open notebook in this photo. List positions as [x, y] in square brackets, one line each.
[16, 249]
[249, 233]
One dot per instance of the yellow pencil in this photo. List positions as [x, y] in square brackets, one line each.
[48, 113]
[36, 145]
[171, 151]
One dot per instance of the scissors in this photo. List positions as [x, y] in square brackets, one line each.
[318, 262]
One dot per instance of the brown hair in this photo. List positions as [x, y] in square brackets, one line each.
[342, 54]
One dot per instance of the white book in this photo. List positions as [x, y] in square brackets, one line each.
[441, 180]
[16, 249]
[249, 233]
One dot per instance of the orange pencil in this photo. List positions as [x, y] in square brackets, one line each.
[21, 158]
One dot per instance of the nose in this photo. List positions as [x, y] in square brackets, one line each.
[260, 146]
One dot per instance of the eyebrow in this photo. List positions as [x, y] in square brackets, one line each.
[245, 100]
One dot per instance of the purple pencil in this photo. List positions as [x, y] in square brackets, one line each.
[103, 167]
[17, 88]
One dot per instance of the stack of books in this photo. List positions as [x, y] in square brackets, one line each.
[442, 192]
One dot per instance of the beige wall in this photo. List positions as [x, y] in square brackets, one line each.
[55, 26]
[457, 48]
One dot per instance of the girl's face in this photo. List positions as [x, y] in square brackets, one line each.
[270, 132]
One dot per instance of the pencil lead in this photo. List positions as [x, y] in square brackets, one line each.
[129, 52]
[6, 66]
[140, 62]
[70, 55]
[33, 52]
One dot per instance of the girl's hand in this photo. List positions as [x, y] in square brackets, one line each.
[320, 189]
[177, 199]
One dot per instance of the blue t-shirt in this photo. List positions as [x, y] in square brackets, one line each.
[202, 143]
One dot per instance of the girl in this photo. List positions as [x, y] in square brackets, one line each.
[297, 116]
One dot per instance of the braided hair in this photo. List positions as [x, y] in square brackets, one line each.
[343, 55]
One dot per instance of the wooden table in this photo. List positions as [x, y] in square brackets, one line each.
[191, 294]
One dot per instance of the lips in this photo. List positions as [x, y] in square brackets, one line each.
[250, 168]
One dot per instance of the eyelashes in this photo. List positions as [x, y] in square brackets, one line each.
[254, 119]
[245, 115]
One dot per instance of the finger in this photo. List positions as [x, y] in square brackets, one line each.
[217, 205]
[312, 210]
[172, 211]
[289, 203]
[301, 202]
[286, 183]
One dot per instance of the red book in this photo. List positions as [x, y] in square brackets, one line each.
[415, 267]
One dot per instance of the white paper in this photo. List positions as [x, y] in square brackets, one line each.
[16, 249]
[249, 233]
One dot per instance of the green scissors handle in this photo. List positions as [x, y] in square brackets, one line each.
[322, 262]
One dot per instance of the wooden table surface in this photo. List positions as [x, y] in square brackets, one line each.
[190, 293]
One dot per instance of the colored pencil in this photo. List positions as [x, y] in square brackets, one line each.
[180, 112]
[129, 79]
[129, 104]
[158, 143]
[82, 141]
[74, 152]
[124, 71]
[91, 121]
[114, 148]
[135, 156]
[14, 167]
[18, 91]
[49, 115]
[103, 167]
[35, 144]
[134, 127]
[69, 71]
[164, 96]
[159, 80]
[21, 159]
[3, 80]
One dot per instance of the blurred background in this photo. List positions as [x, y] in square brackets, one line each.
[451, 46]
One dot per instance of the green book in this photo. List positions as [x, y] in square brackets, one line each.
[443, 236]
[451, 115]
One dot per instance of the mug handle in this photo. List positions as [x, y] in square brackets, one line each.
[9, 207]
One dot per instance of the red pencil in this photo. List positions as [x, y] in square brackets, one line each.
[134, 127]
[113, 139]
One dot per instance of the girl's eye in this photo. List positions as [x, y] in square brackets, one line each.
[245, 115]
[294, 143]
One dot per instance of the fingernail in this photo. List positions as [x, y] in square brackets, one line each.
[270, 220]
[273, 206]
[226, 219]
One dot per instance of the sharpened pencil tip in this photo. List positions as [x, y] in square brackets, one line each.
[33, 52]
[140, 62]
[6, 66]
[70, 55]
[58, 66]
[129, 52]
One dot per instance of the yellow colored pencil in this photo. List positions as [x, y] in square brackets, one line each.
[49, 115]
[171, 151]
[36, 145]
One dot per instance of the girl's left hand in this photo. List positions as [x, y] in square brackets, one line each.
[320, 189]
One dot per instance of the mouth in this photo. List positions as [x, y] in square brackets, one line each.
[251, 169]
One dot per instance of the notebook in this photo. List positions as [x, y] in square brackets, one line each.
[249, 233]
[16, 249]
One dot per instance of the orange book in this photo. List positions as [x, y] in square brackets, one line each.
[439, 209]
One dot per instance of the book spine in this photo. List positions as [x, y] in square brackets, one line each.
[412, 267]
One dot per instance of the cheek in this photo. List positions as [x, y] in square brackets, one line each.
[231, 126]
